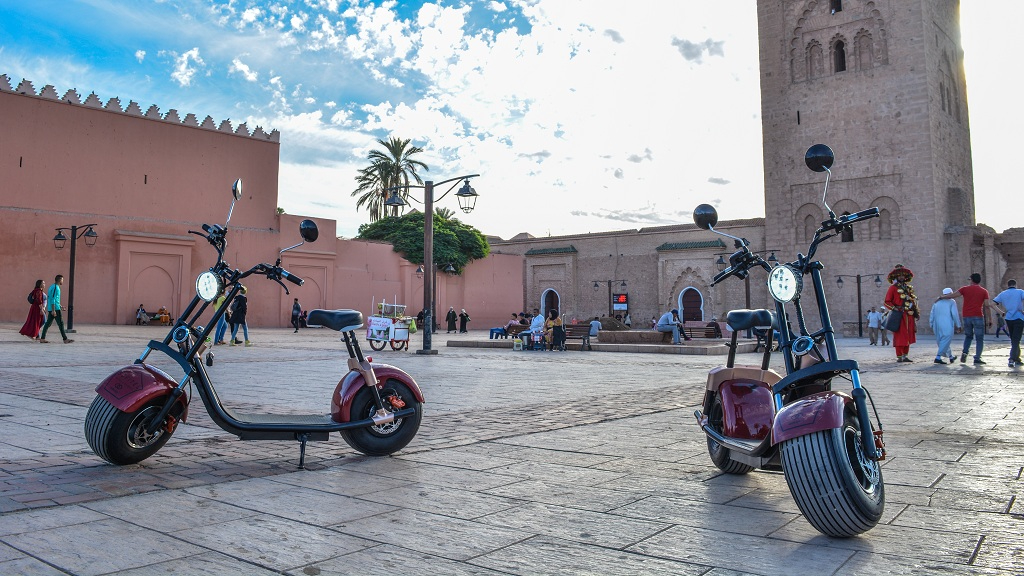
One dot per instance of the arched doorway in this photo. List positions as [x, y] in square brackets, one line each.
[691, 305]
[153, 287]
[549, 299]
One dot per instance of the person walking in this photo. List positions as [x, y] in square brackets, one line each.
[36, 312]
[874, 323]
[882, 332]
[976, 299]
[296, 313]
[451, 317]
[1012, 301]
[1001, 324]
[463, 320]
[222, 324]
[53, 309]
[238, 310]
[945, 321]
[900, 299]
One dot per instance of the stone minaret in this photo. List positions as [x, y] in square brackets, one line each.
[882, 83]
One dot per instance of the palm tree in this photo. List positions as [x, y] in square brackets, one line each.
[389, 168]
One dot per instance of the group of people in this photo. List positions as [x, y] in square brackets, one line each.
[462, 318]
[547, 331]
[235, 317]
[945, 320]
[44, 309]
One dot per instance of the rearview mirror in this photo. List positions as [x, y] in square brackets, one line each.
[705, 216]
[819, 157]
[308, 231]
[236, 189]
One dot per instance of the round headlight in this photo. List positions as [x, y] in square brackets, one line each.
[208, 286]
[784, 283]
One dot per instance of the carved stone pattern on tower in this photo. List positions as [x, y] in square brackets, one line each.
[48, 92]
[817, 27]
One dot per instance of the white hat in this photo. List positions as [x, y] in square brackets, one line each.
[947, 290]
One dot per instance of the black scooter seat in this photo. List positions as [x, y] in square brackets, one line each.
[744, 319]
[340, 320]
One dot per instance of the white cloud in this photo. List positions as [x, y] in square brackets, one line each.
[140, 55]
[240, 67]
[185, 66]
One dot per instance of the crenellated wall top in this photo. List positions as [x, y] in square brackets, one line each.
[134, 109]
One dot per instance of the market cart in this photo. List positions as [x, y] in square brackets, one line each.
[391, 326]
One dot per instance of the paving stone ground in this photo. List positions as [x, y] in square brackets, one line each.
[526, 463]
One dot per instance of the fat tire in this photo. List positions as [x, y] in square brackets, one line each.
[720, 455]
[399, 345]
[378, 345]
[107, 430]
[837, 494]
[389, 438]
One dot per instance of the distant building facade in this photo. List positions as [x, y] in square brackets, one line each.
[145, 178]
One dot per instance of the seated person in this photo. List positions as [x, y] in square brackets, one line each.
[164, 316]
[717, 328]
[536, 332]
[302, 319]
[595, 326]
[502, 331]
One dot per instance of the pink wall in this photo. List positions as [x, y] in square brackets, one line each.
[146, 181]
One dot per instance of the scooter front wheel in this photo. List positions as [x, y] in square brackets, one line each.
[120, 437]
[839, 490]
[384, 439]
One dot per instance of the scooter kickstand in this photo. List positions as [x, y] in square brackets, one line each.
[302, 450]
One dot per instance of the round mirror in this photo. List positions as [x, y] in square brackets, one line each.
[236, 189]
[308, 231]
[705, 216]
[819, 157]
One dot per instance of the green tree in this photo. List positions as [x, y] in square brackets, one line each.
[455, 243]
[393, 166]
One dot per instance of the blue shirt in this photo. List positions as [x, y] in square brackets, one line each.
[1011, 299]
[53, 298]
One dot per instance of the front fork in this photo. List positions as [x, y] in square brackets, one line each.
[872, 440]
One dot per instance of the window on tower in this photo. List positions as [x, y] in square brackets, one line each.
[840, 56]
[837, 6]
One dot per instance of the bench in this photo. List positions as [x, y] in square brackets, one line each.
[579, 332]
[700, 332]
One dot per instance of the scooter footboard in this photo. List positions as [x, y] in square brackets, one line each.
[353, 382]
[813, 413]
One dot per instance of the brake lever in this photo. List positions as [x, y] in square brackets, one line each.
[281, 283]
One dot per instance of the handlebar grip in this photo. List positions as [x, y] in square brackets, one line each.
[869, 213]
[291, 277]
[721, 275]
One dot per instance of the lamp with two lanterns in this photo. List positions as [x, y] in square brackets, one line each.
[76, 232]
[860, 311]
[467, 202]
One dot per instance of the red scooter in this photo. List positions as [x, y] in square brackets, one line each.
[376, 408]
[822, 439]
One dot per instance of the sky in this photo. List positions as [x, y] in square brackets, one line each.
[579, 115]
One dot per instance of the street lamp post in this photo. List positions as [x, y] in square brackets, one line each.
[860, 311]
[58, 241]
[611, 304]
[467, 201]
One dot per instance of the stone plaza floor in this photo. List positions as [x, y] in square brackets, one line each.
[526, 463]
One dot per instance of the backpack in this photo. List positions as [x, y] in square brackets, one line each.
[31, 299]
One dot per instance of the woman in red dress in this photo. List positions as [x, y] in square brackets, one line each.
[36, 313]
[900, 297]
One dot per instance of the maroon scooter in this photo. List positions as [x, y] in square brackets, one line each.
[823, 440]
[376, 408]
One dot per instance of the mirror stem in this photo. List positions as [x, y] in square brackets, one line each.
[828, 176]
[739, 240]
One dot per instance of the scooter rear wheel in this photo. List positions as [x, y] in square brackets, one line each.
[386, 438]
[838, 489]
[720, 454]
[120, 437]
